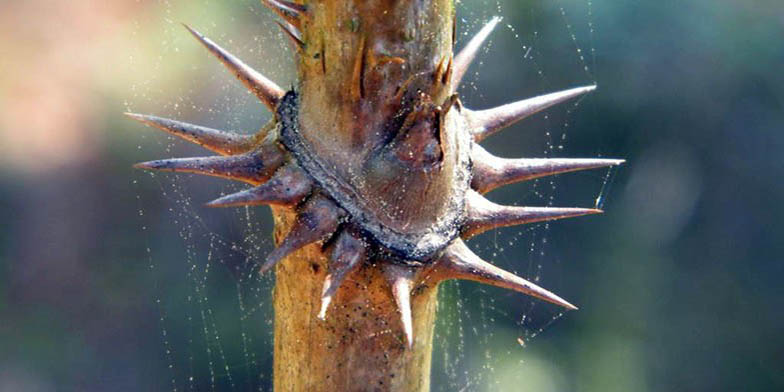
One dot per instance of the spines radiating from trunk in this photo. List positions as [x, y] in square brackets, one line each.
[490, 172]
[287, 187]
[290, 12]
[267, 91]
[224, 143]
[316, 221]
[489, 121]
[347, 254]
[466, 56]
[483, 214]
[459, 262]
[253, 167]
[371, 132]
[293, 33]
[400, 280]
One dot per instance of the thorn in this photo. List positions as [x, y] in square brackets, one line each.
[448, 74]
[252, 167]
[289, 6]
[459, 262]
[491, 172]
[293, 33]
[483, 215]
[267, 91]
[287, 187]
[418, 142]
[401, 90]
[347, 253]
[400, 279]
[358, 73]
[438, 74]
[317, 220]
[468, 53]
[484, 123]
[291, 12]
[224, 143]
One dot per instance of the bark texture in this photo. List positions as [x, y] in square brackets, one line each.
[361, 345]
[360, 63]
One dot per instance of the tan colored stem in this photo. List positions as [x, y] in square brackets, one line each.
[359, 61]
[361, 345]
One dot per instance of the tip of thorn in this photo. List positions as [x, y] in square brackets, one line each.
[268, 264]
[220, 202]
[137, 117]
[561, 302]
[142, 165]
[496, 19]
[191, 29]
[322, 315]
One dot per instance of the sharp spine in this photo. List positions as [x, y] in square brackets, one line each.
[467, 55]
[266, 90]
[287, 187]
[491, 172]
[484, 123]
[347, 254]
[293, 34]
[289, 11]
[483, 215]
[224, 143]
[318, 219]
[400, 279]
[459, 262]
[253, 167]
[289, 6]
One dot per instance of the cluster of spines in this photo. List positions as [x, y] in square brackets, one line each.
[261, 161]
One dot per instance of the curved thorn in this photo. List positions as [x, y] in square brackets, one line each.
[293, 34]
[490, 172]
[468, 53]
[267, 91]
[459, 262]
[318, 219]
[287, 187]
[289, 11]
[224, 143]
[252, 167]
[400, 280]
[347, 253]
[483, 215]
[486, 122]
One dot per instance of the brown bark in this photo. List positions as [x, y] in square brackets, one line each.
[361, 345]
[359, 61]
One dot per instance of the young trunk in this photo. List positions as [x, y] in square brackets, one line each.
[360, 345]
[375, 177]
[356, 59]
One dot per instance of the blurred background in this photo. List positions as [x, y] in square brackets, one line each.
[116, 280]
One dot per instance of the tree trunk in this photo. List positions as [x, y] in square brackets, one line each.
[374, 174]
[361, 345]
[356, 57]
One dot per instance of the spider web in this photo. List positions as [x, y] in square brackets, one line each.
[215, 311]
